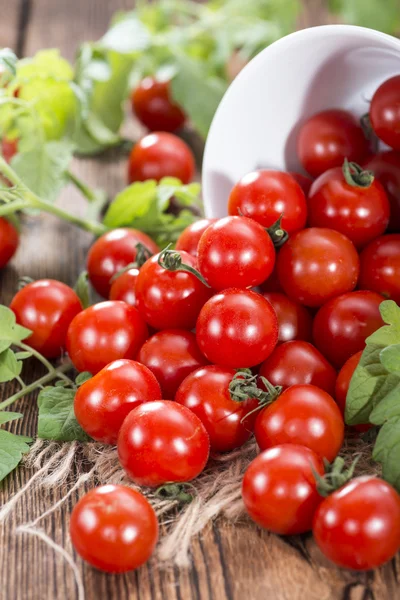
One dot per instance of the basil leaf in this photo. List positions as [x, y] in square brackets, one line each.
[56, 416]
[12, 448]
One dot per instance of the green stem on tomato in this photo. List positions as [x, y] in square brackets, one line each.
[12, 207]
[45, 362]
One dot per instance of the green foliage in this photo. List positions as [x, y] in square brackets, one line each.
[56, 416]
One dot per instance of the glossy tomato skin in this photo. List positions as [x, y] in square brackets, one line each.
[235, 252]
[317, 264]
[46, 307]
[103, 333]
[159, 155]
[279, 489]
[358, 526]
[386, 168]
[9, 241]
[272, 284]
[113, 251]
[294, 320]
[299, 362]
[171, 355]
[304, 182]
[162, 442]
[154, 107]
[342, 325]
[114, 528]
[170, 299]
[102, 403]
[384, 112]
[265, 195]
[123, 287]
[206, 393]
[327, 138]
[359, 213]
[380, 267]
[237, 328]
[305, 415]
[190, 237]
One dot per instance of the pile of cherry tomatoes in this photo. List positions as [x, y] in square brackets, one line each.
[253, 324]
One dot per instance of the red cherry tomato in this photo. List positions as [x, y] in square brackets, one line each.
[190, 237]
[111, 253]
[279, 489]
[360, 213]
[380, 267]
[294, 320]
[170, 299]
[266, 195]
[102, 403]
[154, 107]
[327, 138]
[316, 265]
[384, 112]
[343, 380]
[46, 307]
[305, 415]
[342, 325]
[159, 155]
[9, 148]
[114, 528]
[358, 526]
[272, 284]
[171, 355]
[162, 442]
[103, 333]
[237, 328]
[9, 241]
[206, 393]
[304, 181]
[386, 168]
[123, 287]
[298, 362]
[235, 252]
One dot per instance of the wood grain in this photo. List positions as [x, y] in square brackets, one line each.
[230, 561]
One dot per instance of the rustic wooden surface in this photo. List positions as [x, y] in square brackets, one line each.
[230, 562]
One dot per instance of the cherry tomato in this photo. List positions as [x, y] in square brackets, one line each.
[279, 489]
[170, 299]
[272, 284]
[237, 328]
[386, 168]
[114, 528]
[294, 320]
[162, 442]
[342, 325]
[316, 265]
[103, 333]
[154, 107]
[46, 307]
[159, 155]
[9, 241]
[9, 148]
[327, 138]
[304, 182]
[299, 362]
[102, 403]
[305, 415]
[266, 195]
[344, 378]
[380, 267]
[111, 253]
[171, 355]
[360, 213]
[123, 287]
[358, 526]
[384, 112]
[235, 252]
[206, 393]
[190, 237]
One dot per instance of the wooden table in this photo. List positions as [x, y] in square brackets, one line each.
[230, 562]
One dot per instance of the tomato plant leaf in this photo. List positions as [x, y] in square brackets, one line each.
[8, 60]
[387, 451]
[390, 358]
[10, 367]
[56, 416]
[12, 448]
[82, 378]
[10, 332]
[133, 203]
[7, 416]
[82, 289]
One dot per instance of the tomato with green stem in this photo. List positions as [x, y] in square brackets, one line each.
[46, 307]
[380, 267]
[190, 237]
[279, 489]
[294, 320]
[9, 241]
[162, 442]
[384, 112]
[123, 287]
[154, 107]
[114, 528]
[386, 168]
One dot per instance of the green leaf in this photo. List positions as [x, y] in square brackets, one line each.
[83, 378]
[10, 367]
[127, 35]
[56, 416]
[388, 334]
[387, 451]
[390, 358]
[8, 61]
[7, 416]
[384, 16]
[82, 289]
[134, 202]
[12, 448]
[22, 355]
[43, 169]
[10, 332]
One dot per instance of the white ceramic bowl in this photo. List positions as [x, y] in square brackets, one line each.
[256, 124]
